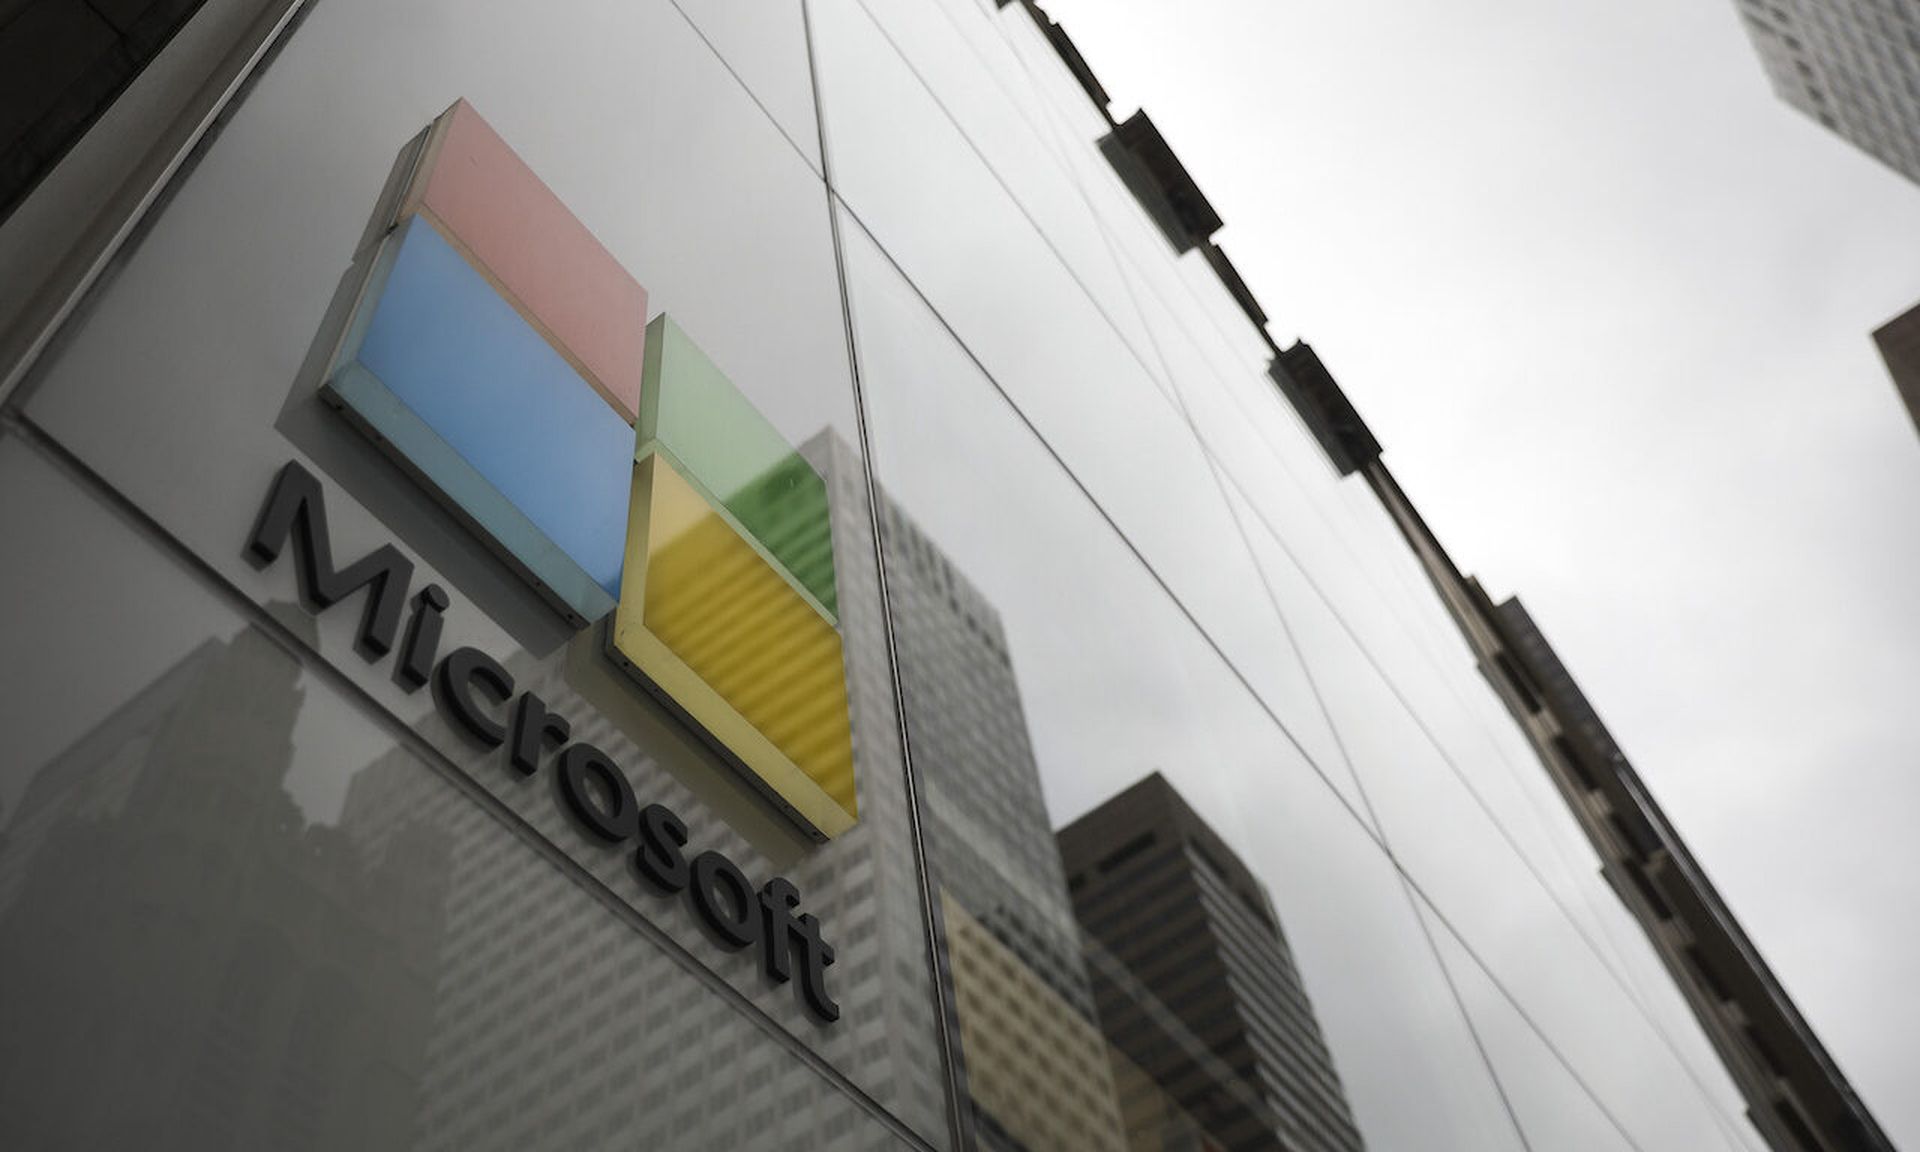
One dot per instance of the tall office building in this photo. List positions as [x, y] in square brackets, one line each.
[352, 840]
[1033, 1060]
[1189, 947]
[988, 832]
[1899, 343]
[1853, 65]
[1796, 1095]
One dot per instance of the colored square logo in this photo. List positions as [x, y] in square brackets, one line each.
[728, 605]
[443, 372]
[501, 356]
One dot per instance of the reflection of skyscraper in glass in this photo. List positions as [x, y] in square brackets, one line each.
[1034, 1063]
[210, 967]
[1036, 1067]
[1185, 948]
[990, 842]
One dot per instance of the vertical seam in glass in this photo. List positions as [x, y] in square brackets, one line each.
[930, 921]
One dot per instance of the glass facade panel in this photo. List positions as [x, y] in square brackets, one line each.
[997, 726]
[1036, 579]
[944, 221]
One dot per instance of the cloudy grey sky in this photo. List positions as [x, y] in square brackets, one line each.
[1606, 301]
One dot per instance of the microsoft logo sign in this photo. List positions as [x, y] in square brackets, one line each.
[500, 354]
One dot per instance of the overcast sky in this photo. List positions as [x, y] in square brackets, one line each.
[1607, 303]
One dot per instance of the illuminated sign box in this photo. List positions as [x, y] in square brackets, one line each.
[727, 606]
[501, 356]
[489, 204]
[456, 385]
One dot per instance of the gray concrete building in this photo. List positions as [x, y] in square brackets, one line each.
[1797, 1097]
[1162, 895]
[1853, 65]
[1024, 1005]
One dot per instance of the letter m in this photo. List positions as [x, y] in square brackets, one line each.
[296, 509]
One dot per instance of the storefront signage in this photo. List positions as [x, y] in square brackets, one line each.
[502, 356]
[477, 695]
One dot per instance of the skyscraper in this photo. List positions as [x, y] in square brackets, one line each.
[1035, 1062]
[1853, 65]
[1797, 1096]
[1186, 946]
